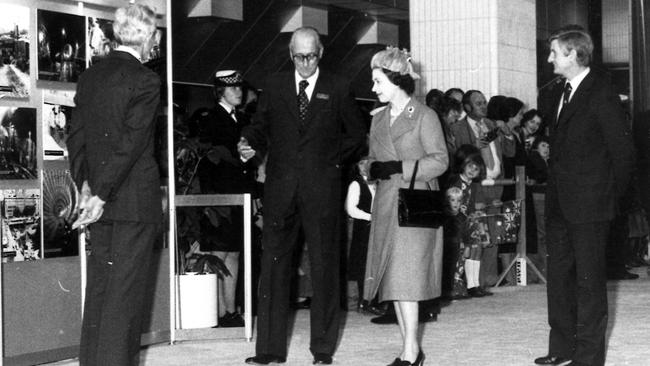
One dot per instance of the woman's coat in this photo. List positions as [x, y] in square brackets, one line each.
[405, 263]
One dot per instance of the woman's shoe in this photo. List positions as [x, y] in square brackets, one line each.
[419, 361]
[397, 362]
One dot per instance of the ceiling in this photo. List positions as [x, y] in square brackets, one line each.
[257, 47]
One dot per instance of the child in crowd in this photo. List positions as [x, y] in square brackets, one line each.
[358, 204]
[454, 284]
[468, 168]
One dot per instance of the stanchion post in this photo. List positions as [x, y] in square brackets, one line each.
[248, 277]
[520, 192]
[2, 340]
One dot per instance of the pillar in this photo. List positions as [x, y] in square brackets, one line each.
[487, 45]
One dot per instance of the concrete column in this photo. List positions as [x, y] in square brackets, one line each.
[487, 45]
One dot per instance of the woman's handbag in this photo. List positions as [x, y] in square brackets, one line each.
[420, 207]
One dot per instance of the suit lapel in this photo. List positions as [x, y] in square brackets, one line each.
[383, 134]
[577, 100]
[404, 122]
[468, 130]
[319, 98]
[289, 96]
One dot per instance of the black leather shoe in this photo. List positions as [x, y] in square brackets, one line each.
[419, 360]
[389, 318]
[322, 359]
[265, 359]
[622, 275]
[366, 307]
[475, 292]
[485, 291]
[304, 304]
[396, 362]
[427, 316]
[552, 360]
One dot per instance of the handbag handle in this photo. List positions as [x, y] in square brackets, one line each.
[415, 171]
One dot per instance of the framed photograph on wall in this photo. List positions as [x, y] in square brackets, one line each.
[59, 212]
[57, 114]
[61, 46]
[100, 39]
[18, 158]
[21, 221]
[14, 51]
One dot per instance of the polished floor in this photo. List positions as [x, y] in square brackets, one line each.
[509, 328]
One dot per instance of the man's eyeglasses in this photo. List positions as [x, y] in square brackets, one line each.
[310, 57]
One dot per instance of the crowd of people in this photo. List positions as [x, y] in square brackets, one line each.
[305, 130]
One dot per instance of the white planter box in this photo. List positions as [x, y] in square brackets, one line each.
[198, 300]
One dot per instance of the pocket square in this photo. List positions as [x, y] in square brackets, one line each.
[322, 96]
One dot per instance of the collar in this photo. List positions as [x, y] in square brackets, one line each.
[227, 107]
[575, 82]
[130, 51]
[311, 80]
[473, 124]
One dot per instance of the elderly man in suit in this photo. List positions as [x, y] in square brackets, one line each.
[308, 122]
[111, 147]
[495, 142]
[589, 168]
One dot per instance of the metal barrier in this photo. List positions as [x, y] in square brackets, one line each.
[520, 193]
[225, 200]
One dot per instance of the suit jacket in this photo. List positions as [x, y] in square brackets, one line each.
[111, 142]
[220, 131]
[592, 154]
[308, 155]
[464, 134]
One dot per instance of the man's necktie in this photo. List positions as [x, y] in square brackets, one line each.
[303, 101]
[232, 114]
[566, 95]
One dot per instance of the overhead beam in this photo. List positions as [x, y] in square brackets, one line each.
[307, 16]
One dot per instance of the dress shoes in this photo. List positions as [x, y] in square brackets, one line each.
[388, 318]
[485, 291]
[230, 320]
[475, 292]
[265, 359]
[366, 307]
[391, 318]
[427, 316]
[622, 275]
[304, 304]
[552, 360]
[322, 359]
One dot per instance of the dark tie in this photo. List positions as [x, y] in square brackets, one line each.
[565, 99]
[303, 101]
[567, 94]
[232, 114]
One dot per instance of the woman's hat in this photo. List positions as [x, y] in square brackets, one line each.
[228, 78]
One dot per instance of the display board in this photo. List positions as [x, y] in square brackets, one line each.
[45, 45]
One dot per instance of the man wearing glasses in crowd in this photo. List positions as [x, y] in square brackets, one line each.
[309, 125]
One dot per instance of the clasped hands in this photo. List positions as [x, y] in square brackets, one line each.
[91, 207]
[384, 169]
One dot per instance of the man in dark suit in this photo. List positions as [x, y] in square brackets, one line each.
[589, 169]
[111, 146]
[308, 122]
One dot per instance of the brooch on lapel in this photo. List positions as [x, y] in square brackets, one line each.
[322, 96]
[410, 111]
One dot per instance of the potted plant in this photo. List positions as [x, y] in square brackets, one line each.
[197, 282]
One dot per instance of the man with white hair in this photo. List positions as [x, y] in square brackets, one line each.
[111, 146]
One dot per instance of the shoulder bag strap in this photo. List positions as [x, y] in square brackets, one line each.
[415, 172]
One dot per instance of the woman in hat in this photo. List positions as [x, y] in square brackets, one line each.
[222, 172]
[404, 264]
